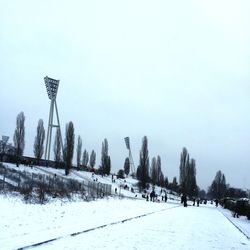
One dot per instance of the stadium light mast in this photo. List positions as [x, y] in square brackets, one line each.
[52, 88]
[131, 161]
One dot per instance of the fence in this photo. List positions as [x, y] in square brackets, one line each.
[54, 185]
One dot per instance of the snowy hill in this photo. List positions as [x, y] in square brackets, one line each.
[119, 187]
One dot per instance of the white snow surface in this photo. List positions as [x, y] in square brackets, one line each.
[170, 226]
[114, 223]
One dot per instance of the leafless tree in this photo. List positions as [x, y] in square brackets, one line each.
[57, 148]
[105, 158]
[154, 174]
[126, 166]
[92, 159]
[85, 158]
[78, 152]
[144, 163]
[68, 150]
[39, 140]
[19, 135]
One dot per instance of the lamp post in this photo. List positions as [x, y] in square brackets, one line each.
[52, 88]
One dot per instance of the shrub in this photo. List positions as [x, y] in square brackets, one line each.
[230, 204]
[120, 174]
[26, 189]
[248, 211]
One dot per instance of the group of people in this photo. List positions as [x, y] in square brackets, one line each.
[154, 197]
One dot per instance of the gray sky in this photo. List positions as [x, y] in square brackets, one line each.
[176, 71]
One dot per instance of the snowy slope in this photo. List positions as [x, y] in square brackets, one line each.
[88, 176]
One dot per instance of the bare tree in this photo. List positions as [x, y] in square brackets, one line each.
[85, 158]
[105, 158]
[68, 150]
[78, 152]
[39, 141]
[184, 165]
[187, 179]
[19, 135]
[126, 166]
[92, 159]
[218, 187]
[144, 163]
[153, 171]
[166, 182]
[57, 148]
[159, 172]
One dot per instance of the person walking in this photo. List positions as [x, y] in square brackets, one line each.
[184, 200]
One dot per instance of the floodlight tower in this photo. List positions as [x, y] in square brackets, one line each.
[131, 161]
[52, 87]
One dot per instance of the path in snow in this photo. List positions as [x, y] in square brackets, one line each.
[180, 228]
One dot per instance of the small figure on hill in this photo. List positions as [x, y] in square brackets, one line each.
[116, 190]
[194, 202]
[198, 202]
[152, 196]
[184, 200]
[166, 197]
[216, 202]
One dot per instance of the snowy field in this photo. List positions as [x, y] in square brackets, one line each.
[117, 224]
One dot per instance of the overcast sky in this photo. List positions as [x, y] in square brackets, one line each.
[175, 71]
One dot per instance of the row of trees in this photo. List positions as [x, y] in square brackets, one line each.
[85, 156]
[187, 178]
[68, 148]
[153, 174]
[219, 188]
[150, 174]
[146, 173]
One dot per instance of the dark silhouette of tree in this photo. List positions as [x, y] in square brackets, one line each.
[154, 171]
[160, 176]
[108, 166]
[236, 192]
[138, 172]
[57, 148]
[218, 187]
[126, 166]
[161, 180]
[39, 141]
[184, 161]
[192, 188]
[68, 150]
[105, 158]
[85, 158]
[18, 138]
[92, 159]
[144, 164]
[78, 152]
[202, 194]
[166, 182]
[120, 174]
[187, 177]
[174, 185]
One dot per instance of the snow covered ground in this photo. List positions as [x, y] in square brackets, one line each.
[117, 224]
